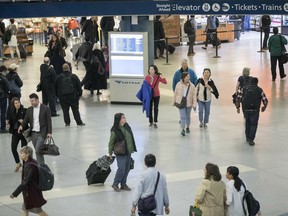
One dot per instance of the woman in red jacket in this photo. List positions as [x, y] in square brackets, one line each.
[153, 79]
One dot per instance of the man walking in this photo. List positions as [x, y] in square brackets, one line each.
[39, 118]
[184, 68]
[265, 25]
[47, 80]
[192, 35]
[251, 97]
[148, 181]
[4, 93]
[2, 32]
[68, 90]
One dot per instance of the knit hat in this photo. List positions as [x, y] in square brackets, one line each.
[246, 71]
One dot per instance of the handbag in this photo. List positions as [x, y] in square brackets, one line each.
[148, 203]
[120, 147]
[49, 147]
[284, 56]
[183, 102]
[39, 87]
[195, 211]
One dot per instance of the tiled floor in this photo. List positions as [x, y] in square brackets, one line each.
[263, 167]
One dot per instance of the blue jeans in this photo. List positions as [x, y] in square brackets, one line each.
[3, 107]
[204, 111]
[251, 124]
[185, 116]
[123, 163]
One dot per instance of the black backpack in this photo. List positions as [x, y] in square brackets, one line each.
[188, 27]
[246, 81]
[67, 86]
[252, 204]
[7, 36]
[251, 97]
[45, 176]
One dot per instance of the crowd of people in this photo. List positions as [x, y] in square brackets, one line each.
[57, 82]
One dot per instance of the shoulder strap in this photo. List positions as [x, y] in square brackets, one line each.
[187, 90]
[156, 82]
[158, 176]
[282, 45]
[243, 199]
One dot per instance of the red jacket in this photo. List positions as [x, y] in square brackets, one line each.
[155, 84]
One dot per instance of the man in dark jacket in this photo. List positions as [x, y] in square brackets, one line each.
[250, 97]
[62, 41]
[47, 79]
[68, 90]
[90, 28]
[4, 92]
[159, 36]
[265, 25]
[2, 32]
[107, 24]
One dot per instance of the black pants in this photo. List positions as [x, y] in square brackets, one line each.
[156, 101]
[274, 60]
[146, 214]
[266, 31]
[3, 107]
[74, 104]
[16, 137]
[251, 124]
[49, 98]
[191, 43]
[161, 46]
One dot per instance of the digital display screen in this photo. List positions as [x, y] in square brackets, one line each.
[127, 66]
[126, 44]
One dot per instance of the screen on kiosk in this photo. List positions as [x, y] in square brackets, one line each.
[127, 55]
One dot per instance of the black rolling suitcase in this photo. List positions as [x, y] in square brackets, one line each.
[171, 48]
[99, 170]
[22, 50]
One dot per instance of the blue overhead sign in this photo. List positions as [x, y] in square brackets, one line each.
[139, 7]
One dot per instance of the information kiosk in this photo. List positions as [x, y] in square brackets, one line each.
[128, 56]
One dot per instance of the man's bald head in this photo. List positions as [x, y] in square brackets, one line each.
[65, 67]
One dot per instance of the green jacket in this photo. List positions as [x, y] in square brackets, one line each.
[127, 134]
[274, 44]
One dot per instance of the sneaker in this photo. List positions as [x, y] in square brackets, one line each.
[201, 125]
[125, 187]
[204, 47]
[82, 124]
[205, 126]
[116, 188]
[251, 142]
[183, 132]
[187, 130]
[151, 125]
[155, 125]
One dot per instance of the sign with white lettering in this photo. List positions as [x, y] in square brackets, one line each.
[141, 7]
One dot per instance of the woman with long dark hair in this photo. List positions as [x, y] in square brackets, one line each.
[234, 192]
[121, 131]
[16, 117]
[211, 194]
[153, 79]
[56, 53]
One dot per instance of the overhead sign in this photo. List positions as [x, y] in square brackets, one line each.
[140, 7]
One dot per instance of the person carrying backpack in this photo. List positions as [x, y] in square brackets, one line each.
[32, 195]
[250, 97]
[68, 90]
[190, 28]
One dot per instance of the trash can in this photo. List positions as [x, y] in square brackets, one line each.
[237, 27]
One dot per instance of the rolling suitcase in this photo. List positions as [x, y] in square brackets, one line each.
[23, 53]
[171, 48]
[96, 175]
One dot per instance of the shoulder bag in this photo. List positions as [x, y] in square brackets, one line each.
[183, 102]
[148, 203]
[284, 56]
[119, 147]
[49, 147]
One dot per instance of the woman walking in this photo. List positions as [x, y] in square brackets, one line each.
[205, 87]
[185, 89]
[153, 79]
[121, 131]
[16, 117]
